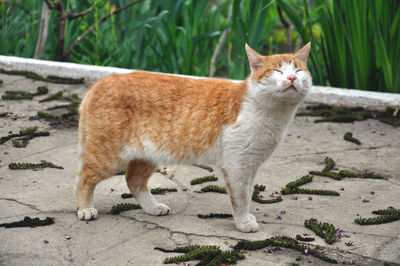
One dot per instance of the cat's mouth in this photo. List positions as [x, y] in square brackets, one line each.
[291, 87]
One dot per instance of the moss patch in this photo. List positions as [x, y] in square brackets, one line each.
[46, 115]
[20, 144]
[50, 78]
[24, 135]
[214, 215]
[281, 241]
[208, 255]
[344, 173]
[24, 95]
[347, 115]
[205, 167]
[387, 215]
[154, 191]
[349, 137]
[24, 166]
[17, 95]
[52, 97]
[29, 222]
[325, 230]
[201, 180]
[214, 188]
[116, 209]
[294, 188]
[256, 195]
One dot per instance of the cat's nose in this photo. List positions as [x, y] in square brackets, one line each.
[291, 77]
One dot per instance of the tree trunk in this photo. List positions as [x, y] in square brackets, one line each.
[44, 26]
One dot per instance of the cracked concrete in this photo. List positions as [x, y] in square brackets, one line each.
[130, 237]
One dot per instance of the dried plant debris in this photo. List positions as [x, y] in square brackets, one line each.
[205, 167]
[126, 195]
[29, 222]
[387, 215]
[201, 180]
[332, 175]
[52, 97]
[304, 239]
[50, 78]
[214, 188]
[72, 108]
[342, 115]
[1, 81]
[256, 195]
[116, 209]
[208, 255]
[25, 135]
[17, 95]
[294, 188]
[160, 190]
[154, 191]
[281, 241]
[366, 174]
[20, 144]
[349, 137]
[344, 173]
[4, 114]
[24, 95]
[24, 166]
[46, 115]
[330, 164]
[214, 215]
[325, 230]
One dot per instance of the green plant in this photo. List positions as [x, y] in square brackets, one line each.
[201, 180]
[356, 55]
[387, 215]
[116, 209]
[281, 241]
[325, 230]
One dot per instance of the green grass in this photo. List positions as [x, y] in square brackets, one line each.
[354, 43]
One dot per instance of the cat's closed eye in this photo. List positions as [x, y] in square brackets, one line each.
[297, 71]
[277, 70]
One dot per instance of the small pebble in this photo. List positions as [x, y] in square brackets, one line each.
[67, 237]
[298, 258]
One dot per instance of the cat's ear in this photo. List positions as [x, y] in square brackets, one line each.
[254, 58]
[303, 53]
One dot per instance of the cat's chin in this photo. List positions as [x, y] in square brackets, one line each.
[290, 88]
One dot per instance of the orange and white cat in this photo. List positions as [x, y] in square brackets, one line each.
[142, 119]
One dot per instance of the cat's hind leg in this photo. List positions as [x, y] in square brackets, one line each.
[87, 179]
[137, 174]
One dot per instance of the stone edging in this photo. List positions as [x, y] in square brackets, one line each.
[318, 94]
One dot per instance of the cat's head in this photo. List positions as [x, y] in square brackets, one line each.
[280, 78]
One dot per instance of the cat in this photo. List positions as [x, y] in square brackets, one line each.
[141, 119]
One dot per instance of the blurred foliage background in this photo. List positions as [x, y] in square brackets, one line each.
[355, 43]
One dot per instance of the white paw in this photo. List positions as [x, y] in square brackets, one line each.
[252, 217]
[248, 226]
[88, 214]
[158, 209]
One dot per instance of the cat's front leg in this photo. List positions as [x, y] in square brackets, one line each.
[238, 182]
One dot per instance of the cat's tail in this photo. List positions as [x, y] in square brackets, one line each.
[81, 144]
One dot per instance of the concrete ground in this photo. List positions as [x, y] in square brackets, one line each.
[130, 237]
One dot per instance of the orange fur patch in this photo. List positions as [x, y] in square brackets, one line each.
[230, 190]
[271, 62]
[180, 115]
[137, 174]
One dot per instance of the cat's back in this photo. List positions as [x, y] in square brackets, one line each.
[150, 83]
[163, 108]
